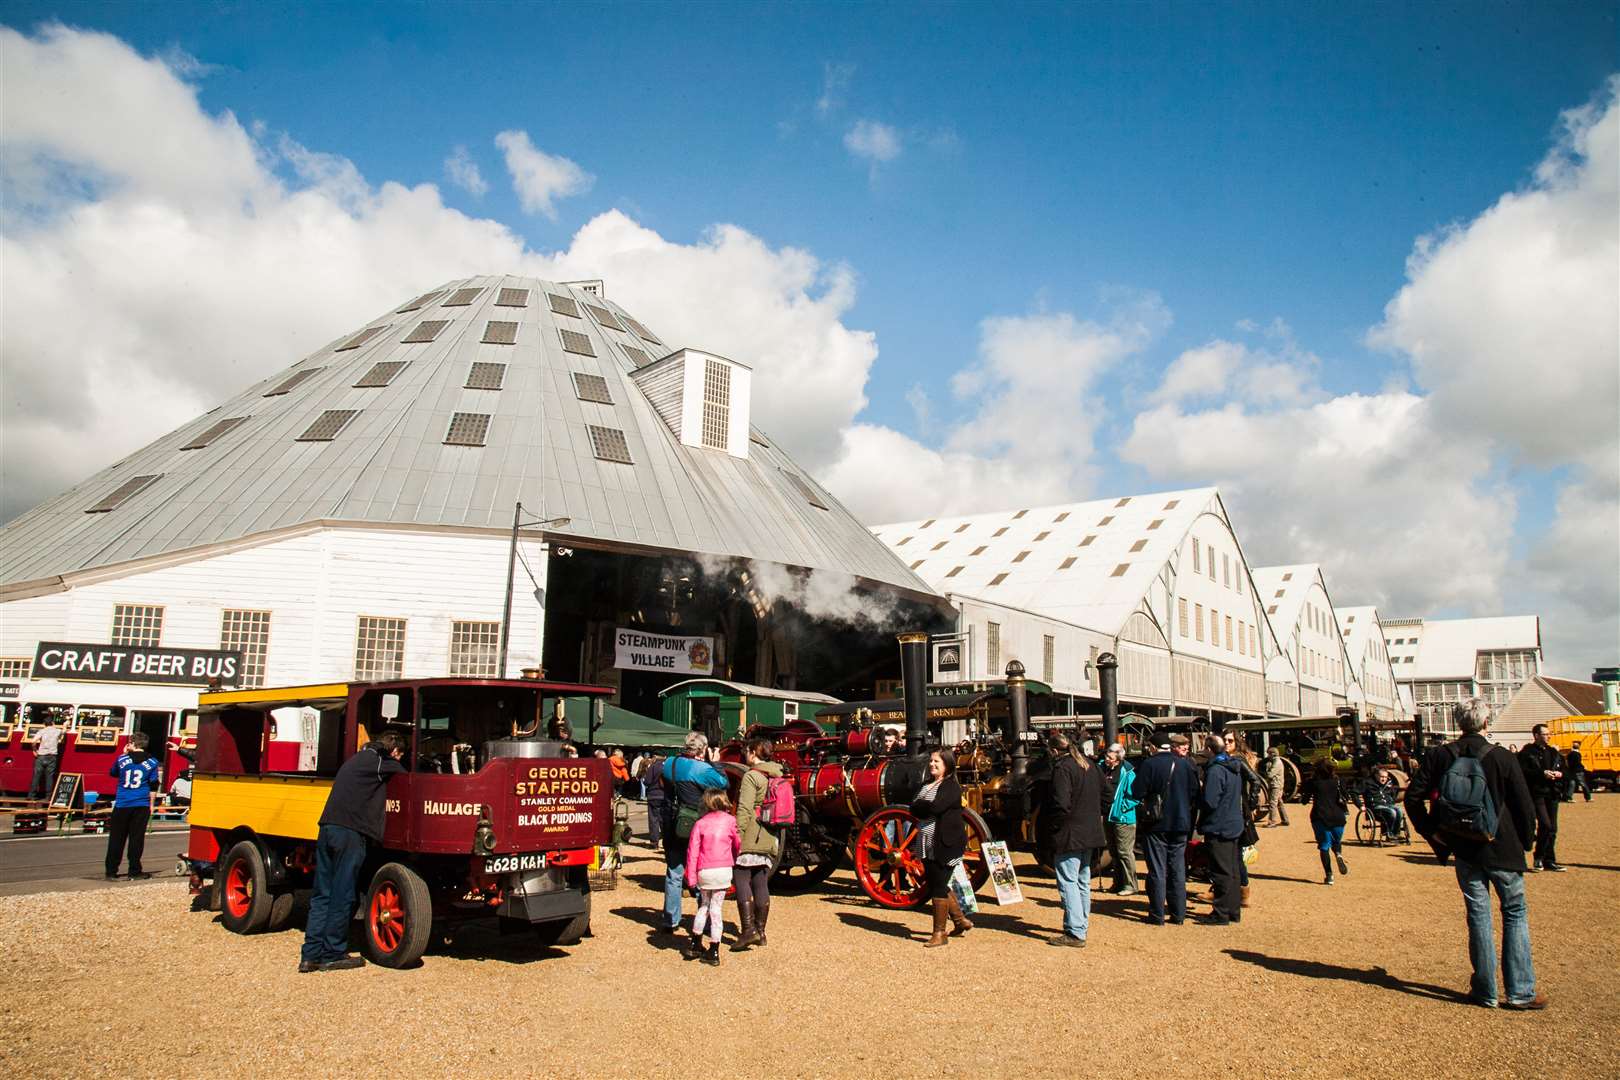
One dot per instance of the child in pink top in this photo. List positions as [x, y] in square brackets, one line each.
[711, 851]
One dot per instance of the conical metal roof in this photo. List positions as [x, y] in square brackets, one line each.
[446, 412]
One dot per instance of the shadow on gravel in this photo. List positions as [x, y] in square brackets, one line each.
[877, 926]
[1593, 866]
[1373, 976]
[1279, 877]
[652, 919]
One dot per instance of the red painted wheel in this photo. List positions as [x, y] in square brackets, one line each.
[398, 915]
[886, 863]
[245, 898]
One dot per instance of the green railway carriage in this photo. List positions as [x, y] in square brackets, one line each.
[723, 710]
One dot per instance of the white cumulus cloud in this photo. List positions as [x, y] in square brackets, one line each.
[539, 178]
[872, 141]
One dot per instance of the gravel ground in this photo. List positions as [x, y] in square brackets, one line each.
[1361, 979]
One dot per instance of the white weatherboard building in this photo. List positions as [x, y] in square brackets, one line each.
[1159, 580]
[1297, 603]
[1443, 661]
[1367, 655]
[351, 515]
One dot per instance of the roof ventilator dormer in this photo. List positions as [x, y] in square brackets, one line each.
[702, 397]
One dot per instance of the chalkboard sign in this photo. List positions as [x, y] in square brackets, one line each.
[66, 791]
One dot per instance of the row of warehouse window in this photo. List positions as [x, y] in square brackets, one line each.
[1243, 639]
[379, 645]
[992, 653]
[1203, 556]
[1064, 516]
[519, 298]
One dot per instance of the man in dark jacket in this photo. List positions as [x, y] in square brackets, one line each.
[354, 814]
[1482, 866]
[1076, 811]
[1171, 781]
[1575, 769]
[1222, 826]
[1543, 769]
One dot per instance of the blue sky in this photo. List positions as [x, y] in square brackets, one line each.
[1255, 162]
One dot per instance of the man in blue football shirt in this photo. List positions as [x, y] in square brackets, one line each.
[138, 780]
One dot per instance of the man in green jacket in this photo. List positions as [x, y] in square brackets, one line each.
[752, 874]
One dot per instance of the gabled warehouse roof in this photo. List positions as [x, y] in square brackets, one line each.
[1448, 648]
[1294, 583]
[1088, 564]
[446, 411]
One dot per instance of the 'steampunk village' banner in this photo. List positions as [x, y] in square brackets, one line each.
[136, 664]
[640, 651]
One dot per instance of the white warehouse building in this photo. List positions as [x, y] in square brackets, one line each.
[1368, 657]
[352, 516]
[1159, 580]
[1443, 661]
[1300, 610]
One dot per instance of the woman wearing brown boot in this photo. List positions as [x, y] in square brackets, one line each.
[941, 841]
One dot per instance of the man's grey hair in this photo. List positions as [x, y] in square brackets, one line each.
[696, 743]
[1116, 748]
[1471, 716]
[1215, 742]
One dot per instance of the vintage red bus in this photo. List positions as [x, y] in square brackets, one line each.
[99, 718]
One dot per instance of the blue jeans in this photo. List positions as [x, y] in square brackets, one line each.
[674, 879]
[1167, 874]
[1328, 837]
[339, 854]
[1517, 970]
[1074, 886]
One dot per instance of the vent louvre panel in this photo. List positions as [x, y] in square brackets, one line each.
[213, 433]
[576, 343]
[486, 376]
[512, 298]
[291, 381]
[604, 316]
[420, 302]
[806, 490]
[467, 429]
[609, 444]
[425, 331]
[327, 425]
[382, 373]
[500, 333]
[124, 491]
[563, 305]
[461, 298]
[361, 338]
[592, 388]
[637, 356]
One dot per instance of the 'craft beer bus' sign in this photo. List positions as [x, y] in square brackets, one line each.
[641, 651]
[136, 664]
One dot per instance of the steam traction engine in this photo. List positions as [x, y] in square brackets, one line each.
[853, 798]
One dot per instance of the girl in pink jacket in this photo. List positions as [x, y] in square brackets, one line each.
[711, 851]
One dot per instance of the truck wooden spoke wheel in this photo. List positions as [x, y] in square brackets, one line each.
[887, 865]
[398, 917]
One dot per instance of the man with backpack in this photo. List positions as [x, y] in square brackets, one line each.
[685, 779]
[1469, 800]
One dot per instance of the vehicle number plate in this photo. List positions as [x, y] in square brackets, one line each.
[509, 864]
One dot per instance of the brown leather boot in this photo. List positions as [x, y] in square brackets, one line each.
[942, 915]
[762, 913]
[959, 920]
[1245, 896]
[749, 933]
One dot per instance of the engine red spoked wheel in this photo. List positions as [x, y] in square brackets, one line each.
[886, 865]
[399, 917]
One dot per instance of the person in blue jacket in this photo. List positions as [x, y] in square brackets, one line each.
[1167, 783]
[1121, 818]
[684, 779]
[1222, 826]
[138, 779]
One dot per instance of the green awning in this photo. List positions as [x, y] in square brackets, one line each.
[620, 727]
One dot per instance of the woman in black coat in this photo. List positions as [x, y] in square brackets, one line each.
[941, 841]
[1074, 822]
[1327, 801]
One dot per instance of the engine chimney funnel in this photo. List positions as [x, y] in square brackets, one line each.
[1017, 720]
[914, 674]
[1108, 690]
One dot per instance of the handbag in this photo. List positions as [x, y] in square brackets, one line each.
[685, 816]
[962, 889]
[1151, 812]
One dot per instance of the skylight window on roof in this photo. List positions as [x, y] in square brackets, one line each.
[927, 523]
[1020, 514]
[361, 338]
[213, 433]
[1155, 523]
[903, 541]
[1087, 541]
[1106, 520]
[604, 316]
[1172, 504]
[637, 356]
[327, 425]
[918, 563]
[576, 343]
[608, 444]
[1288, 576]
[291, 381]
[1272, 610]
[962, 527]
[1139, 545]
[461, 298]
[382, 373]
[999, 531]
[1122, 502]
[1278, 594]
[467, 429]
[425, 331]
[591, 388]
[978, 550]
[500, 333]
[998, 579]
[955, 570]
[1061, 517]
[641, 331]
[1021, 556]
[563, 305]
[939, 545]
[1066, 563]
[486, 376]
[512, 298]
[1040, 536]
[420, 302]
[757, 439]
[806, 490]
[128, 488]
[1119, 571]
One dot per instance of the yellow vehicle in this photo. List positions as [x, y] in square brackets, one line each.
[1599, 739]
